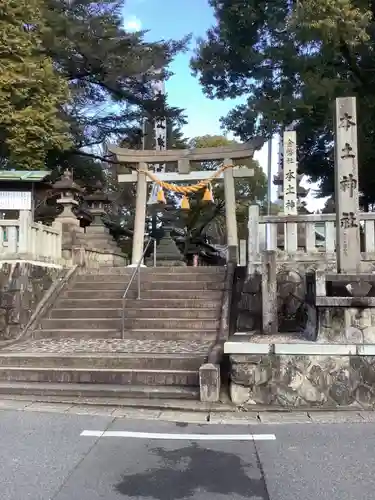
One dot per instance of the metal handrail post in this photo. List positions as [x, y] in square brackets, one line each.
[136, 271]
[139, 283]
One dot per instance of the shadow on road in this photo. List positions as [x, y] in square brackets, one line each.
[186, 470]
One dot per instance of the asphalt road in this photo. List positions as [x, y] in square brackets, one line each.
[44, 456]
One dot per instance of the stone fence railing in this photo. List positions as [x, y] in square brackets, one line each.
[303, 237]
[24, 238]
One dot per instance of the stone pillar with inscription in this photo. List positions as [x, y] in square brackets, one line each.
[290, 173]
[346, 187]
[345, 299]
[290, 188]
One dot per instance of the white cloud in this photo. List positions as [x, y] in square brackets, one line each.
[133, 24]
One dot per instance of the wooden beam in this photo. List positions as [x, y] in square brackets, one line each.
[234, 152]
[192, 176]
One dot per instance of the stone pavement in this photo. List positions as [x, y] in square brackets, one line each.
[87, 346]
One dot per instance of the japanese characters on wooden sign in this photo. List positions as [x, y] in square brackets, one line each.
[290, 173]
[346, 186]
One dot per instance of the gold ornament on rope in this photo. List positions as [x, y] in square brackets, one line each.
[186, 190]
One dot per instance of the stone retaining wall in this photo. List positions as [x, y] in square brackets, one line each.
[302, 380]
[22, 286]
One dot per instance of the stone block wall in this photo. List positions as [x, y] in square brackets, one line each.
[346, 324]
[293, 381]
[22, 286]
[293, 311]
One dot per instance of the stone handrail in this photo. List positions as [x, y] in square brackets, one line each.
[93, 258]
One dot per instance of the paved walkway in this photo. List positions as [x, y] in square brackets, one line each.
[77, 346]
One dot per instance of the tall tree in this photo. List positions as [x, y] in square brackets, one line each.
[109, 72]
[291, 60]
[32, 92]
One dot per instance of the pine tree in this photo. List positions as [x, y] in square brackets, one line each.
[32, 93]
[289, 61]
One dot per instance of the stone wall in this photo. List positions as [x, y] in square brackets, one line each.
[302, 380]
[22, 286]
[346, 325]
[294, 314]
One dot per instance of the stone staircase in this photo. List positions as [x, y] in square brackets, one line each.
[78, 348]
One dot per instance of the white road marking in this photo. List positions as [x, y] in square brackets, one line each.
[180, 437]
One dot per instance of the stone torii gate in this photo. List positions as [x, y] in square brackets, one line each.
[183, 157]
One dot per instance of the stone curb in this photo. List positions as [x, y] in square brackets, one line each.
[298, 348]
[194, 417]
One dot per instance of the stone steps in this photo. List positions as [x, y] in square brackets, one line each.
[135, 334]
[203, 295]
[76, 333]
[130, 304]
[130, 323]
[103, 391]
[148, 277]
[149, 285]
[179, 310]
[104, 360]
[128, 271]
[122, 376]
[146, 313]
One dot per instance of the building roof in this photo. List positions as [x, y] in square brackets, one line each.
[24, 175]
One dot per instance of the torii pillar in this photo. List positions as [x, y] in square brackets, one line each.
[183, 157]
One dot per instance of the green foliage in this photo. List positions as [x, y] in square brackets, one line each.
[334, 19]
[109, 72]
[248, 190]
[290, 61]
[32, 92]
[73, 80]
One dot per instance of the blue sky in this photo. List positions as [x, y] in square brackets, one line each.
[173, 19]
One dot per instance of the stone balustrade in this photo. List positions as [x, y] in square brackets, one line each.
[24, 238]
[304, 237]
[93, 258]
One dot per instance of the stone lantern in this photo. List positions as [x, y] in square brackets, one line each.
[168, 253]
[97, 234]
[97, 202]
[68, 191]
